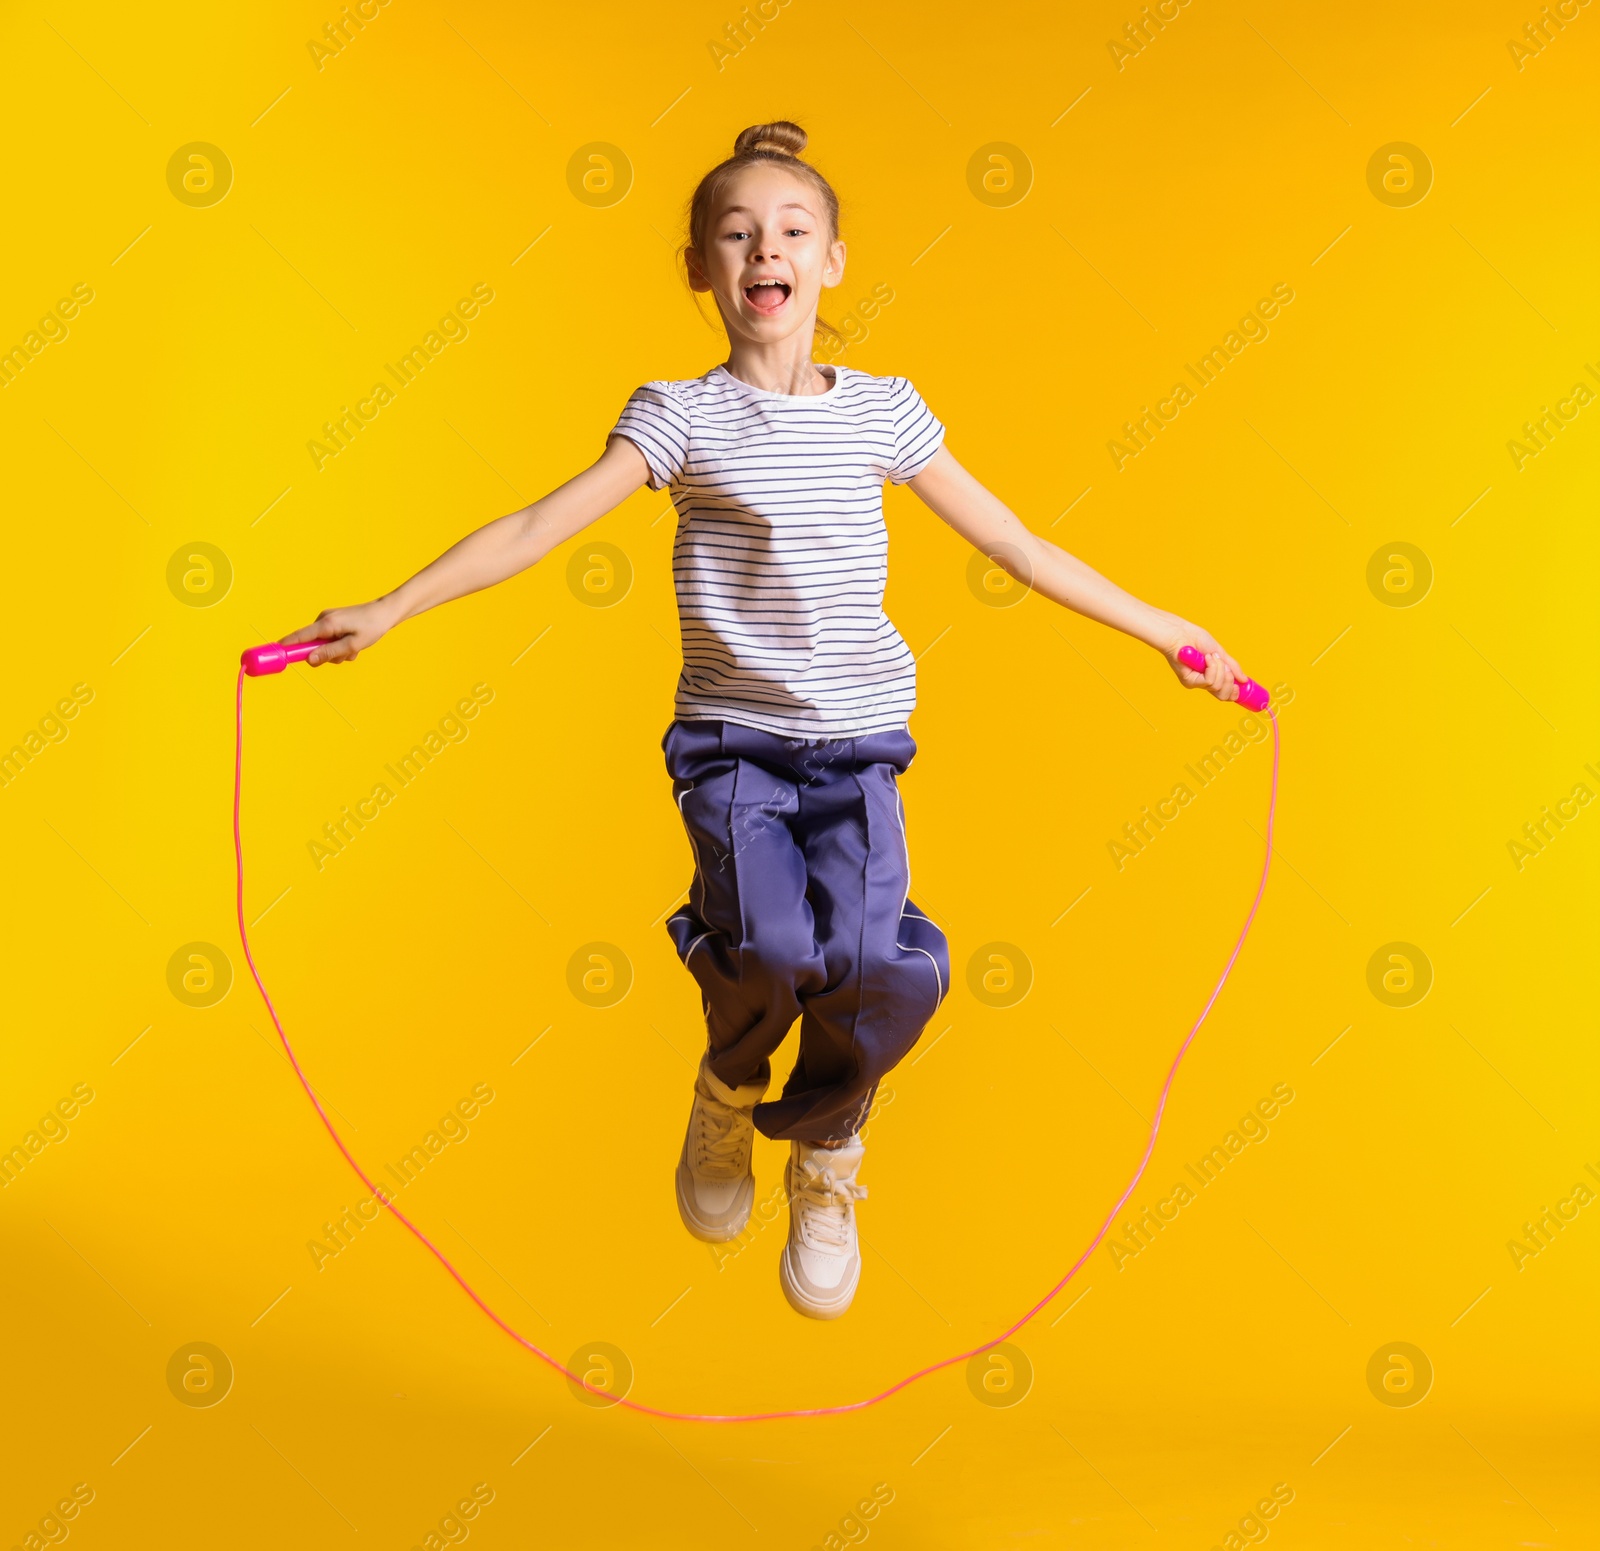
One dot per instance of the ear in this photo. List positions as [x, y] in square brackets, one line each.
[833, 270]
[697, 275]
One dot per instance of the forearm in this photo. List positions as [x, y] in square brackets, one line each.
[490, 554]
[1050, 570]
[1069, 581]
[984, 520]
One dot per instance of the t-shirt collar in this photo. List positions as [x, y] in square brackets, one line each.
[721, 372]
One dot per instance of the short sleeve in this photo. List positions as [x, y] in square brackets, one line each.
[918, 434]
[655, 422]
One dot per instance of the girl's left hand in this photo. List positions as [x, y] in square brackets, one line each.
[1221, 669]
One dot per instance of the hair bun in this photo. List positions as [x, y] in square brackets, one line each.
[781, 138]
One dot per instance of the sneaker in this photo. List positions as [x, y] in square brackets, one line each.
[715, 1182]
[821, 1263]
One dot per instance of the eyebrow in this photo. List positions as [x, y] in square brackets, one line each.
[745, 210]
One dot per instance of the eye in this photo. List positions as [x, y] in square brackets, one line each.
[795, 231]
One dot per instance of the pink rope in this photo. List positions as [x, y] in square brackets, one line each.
[749, 1416]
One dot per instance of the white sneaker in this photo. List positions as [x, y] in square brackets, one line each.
[715, 1183]
[821, 1263]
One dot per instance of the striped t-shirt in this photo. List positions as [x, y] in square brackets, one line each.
[781, 552]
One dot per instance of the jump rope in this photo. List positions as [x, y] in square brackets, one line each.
[274, 658]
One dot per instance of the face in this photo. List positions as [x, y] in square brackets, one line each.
[768, 255]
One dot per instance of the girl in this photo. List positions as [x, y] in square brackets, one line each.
[791, 711]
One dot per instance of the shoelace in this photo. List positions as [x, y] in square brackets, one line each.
[824, 1205]
[722, 1139]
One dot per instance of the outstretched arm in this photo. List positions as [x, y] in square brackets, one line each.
[987, 522]
[493, 553]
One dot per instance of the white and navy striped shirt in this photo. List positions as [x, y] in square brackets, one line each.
[781, 552]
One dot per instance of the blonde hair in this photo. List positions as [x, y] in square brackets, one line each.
[780, 144]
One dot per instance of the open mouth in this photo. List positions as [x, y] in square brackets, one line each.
[767, 295]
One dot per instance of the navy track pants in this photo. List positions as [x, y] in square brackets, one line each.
[799, 907]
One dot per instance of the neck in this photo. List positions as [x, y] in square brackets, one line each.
[784, 366]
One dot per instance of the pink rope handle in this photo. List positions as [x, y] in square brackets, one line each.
[748, 1416]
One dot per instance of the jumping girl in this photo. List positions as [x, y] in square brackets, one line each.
[790, 718]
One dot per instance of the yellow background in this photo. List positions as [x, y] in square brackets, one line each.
[1167, 197]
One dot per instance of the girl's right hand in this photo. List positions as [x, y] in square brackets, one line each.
[1222, 672]
[347, 631]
